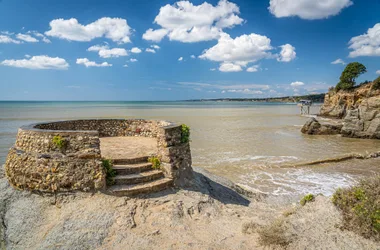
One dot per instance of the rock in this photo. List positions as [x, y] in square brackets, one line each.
[317, 127]
[358, 112]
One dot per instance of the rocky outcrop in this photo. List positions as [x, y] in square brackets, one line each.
[318, 127]
[358, 112]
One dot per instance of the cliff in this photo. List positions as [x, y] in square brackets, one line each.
[353, 113]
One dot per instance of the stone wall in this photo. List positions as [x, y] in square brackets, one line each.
[37, 163]
[175, 155]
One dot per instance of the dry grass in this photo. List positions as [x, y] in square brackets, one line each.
[274, 234]
[249, 227]
[360, 206]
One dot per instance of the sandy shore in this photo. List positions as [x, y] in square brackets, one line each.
[209, 215]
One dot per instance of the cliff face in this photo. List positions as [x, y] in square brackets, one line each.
[359, 110]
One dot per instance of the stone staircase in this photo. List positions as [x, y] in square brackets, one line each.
[136, 176]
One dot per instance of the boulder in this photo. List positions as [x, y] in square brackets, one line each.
[318, 127]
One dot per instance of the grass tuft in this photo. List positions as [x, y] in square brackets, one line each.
[110, 172]
[156, 163]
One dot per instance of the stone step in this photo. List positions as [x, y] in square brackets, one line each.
[132, 168]
[135, 160]
[141, 188]
[138, 178]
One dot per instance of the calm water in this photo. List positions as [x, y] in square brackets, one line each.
[245, 142]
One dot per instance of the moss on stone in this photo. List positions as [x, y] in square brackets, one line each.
[59, 141]
[185, 134]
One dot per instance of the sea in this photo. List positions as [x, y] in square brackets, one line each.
[254, 144]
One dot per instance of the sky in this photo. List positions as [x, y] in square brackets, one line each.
[140, 50]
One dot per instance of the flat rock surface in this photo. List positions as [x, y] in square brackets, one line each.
[127, 147]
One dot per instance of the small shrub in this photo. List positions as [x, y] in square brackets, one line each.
[110, 172]
[156, 163]
[59, 141]
[360, 206]
[185, 134]
[376, 83]
[274, 234]
[307, 198]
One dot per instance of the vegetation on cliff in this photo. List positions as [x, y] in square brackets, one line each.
[360, 206]
[349, 75]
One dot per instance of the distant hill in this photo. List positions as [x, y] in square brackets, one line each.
[317, 98]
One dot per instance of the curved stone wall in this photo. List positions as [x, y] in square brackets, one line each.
[37, 163]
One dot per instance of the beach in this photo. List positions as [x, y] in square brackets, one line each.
[251, 144]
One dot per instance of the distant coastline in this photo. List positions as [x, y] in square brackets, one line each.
[316, 98]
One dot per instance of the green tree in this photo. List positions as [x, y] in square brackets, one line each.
[349, 75]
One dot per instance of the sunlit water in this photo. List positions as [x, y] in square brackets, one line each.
[245, 142]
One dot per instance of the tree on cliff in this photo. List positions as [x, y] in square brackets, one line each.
[349, 75]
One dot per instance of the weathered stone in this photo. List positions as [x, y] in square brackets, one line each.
[37, 163]
[317, 127]
[359, 110]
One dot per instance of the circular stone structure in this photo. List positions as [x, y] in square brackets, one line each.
[66, 155]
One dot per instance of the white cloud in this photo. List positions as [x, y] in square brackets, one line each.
[28, 56]
[297, 84]
[246, 91]
[189, 23]
[307, 9]
[367, 44]
[150, 50]
[45, 40]
[377, 72]
[245, 48]
[287, 54]
[155, 35]
[26, 38]
[125, 65]
[115, 29]
[230, 67]
[8, 39]
[155, 46]
[133, 60]
[192, 56]
[212, 69]
[136, 50]
[105, 52]
[38, 34]
[180, 59]
[253, 68]
[234, 54]
[338, 61]
[38, 62]
[89, 63]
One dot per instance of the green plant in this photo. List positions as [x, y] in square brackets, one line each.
[307, 198]
[360, 206]
[156, 163]
[185, 133]
[376, 83]
[349, 75]
[110, 172]
[59, 141]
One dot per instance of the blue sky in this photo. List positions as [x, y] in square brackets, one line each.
[168, 50]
